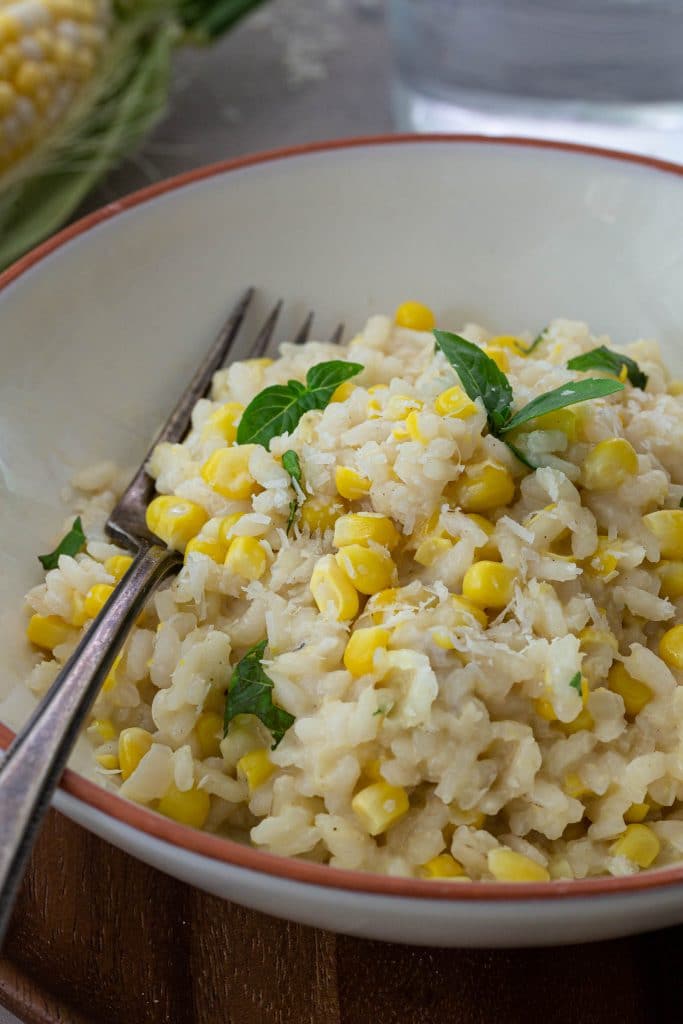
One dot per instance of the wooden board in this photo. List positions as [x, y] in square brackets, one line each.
[99, 938]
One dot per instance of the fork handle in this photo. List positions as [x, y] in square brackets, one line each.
[36, 759]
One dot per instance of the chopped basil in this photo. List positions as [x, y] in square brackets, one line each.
[290, 462]
[575, 682]
[278, 409]
[519, 454]
[603, 358]
[71, 544]
[540, 337]
[251, 693]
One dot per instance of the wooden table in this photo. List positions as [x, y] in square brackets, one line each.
[98, 937]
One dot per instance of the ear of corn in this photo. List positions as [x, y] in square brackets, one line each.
[81, 82]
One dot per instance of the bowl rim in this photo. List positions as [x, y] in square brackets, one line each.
[229, 851]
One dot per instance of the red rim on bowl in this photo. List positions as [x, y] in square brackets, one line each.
[227, 850]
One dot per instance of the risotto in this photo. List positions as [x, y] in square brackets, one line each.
[422, 627]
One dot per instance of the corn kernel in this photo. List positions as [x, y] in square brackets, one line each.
[604, 561]
[638, 844]
[372, 770]
[399, 406]
[443, 866]
[489, 584]
[415, 316]
[510, 866]
[209, 730]
[584, 720]
[369, 569]
[671, 647]
[361, 527]
[667, 526]
[379, 602]
[333, 590]
[432, 548]
[226, 527]
[590, 636]
[110, 681]
[109, 762]
[455, 403]
[227, 472]
[213, 549]
[256, 767]
[634, 694]
[117, 566]
[508, 341]
[575, 787]
[499, 356]
[359, 656]
[380, 806]
[351, 484]
[189, 807]
[675, 387]
[343, 392]
[105, 728]
[563, 420]
[223, 422]
[48, 631]
[320, 514]
[246, 557]
[609, 464]
[544, 709]
[636, 813]
[133, 745]
[463, 611]
[175, 520]
[96, 598]
[671, 576]
[483, 488]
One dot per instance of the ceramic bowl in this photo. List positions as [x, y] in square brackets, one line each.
[101, 326]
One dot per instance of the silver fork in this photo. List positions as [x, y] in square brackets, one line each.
[34, 763]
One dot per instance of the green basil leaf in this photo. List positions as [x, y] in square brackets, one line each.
[571, 393]
[251, 693]
[278, 409]
[290, 461]
[71, 544]
[603, 358]
[540, 337]
[479, 376]
[575, 682]
[519, 454]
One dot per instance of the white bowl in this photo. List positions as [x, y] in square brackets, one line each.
[101, 326]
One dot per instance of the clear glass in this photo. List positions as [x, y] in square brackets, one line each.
[604, 72]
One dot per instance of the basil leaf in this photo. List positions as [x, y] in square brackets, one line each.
[540, 337]
[568, 394]
[71, 544]
[603, 358]
[278, 409]
[251, 693]
[575, 682]
[519, 454]
[290, 462]
[479, 376]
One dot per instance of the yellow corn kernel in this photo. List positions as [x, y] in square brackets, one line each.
[671, 576]
[415, 316]
[372, 770]
[604, 562]
[636, 813]
[671, 647]
[351, 484]
[213, 549]
[78, 616]
[563, 420]
[489, 549]
[189, 807]
[118, 565]
[362, 527]
[380, 806]
[432, 548]
[246, 557]
[227, 472]
[675, 387]
[484, 488]
[223, 422]
[399, 406]
[105, 728]
[575, 787]
[667, 526]
[489, 584]
[544, 709]
[455, 403]
[226, 526]
[443, 866]
[509, 341]
[379, 602]
[333, 590]
[609, 464]
[463, 611]
[259, 363]
[48, 631]
[209, 730]
[638, 844]
[96, 598]
[413, 428]
[109, 762]
[634, 694]
[370, 570]
[359, 656]
[584, 720]
[320, 514]
[344, 391]
[256, 767]
[590, 636]
[175, 520]
[510, 866]
[133, 745]
[110, 681]
[499, 356]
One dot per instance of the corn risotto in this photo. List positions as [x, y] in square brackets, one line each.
[470, 650]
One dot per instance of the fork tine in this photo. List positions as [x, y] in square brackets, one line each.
[302, 337]
[264, 336]
[337, 335]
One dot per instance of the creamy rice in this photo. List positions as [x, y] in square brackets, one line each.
[470, 721]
